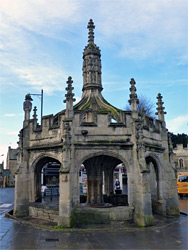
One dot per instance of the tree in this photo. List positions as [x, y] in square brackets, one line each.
[179, 139]
[146, 103]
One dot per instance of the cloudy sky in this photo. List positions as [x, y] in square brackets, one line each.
[42, 41]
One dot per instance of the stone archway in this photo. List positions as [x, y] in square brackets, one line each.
[100, 178]
[95, 167]
[49, 176]
[155, 183]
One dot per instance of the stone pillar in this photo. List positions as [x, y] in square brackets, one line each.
[172, 201]
[160, 110]
[27, 106]
[99, 188]
[143, 208]
[21, 205]
[65, 205]
[35, 117]
[133, 101]
[69, 98]
[94, 185]
[90, 189]
[130, 184]
[107, 182]
[111, 182]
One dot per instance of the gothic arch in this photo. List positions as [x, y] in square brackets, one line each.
[100, 167]
[42, 156]
[105, 153]
[154, 159]
[37, 166]
[180, 162]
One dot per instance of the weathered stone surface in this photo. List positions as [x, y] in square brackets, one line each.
[99, 136]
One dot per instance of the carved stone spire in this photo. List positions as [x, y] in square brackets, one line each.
[69, 98]
[91, 27]
[160, 109]
[35, 113]
[35, 117]
[91, 62]
[133, 101]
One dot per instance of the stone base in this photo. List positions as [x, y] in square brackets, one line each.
[66, 221]
[89, 215]
[43, 213]
[174, 211]
[21, 211]
[159, 207]
[143, 220]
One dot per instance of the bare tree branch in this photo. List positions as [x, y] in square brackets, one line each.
[146, 103]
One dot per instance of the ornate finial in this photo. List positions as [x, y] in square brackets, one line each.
[27, 107]
[133, 101]
[160, 109]
[35, 113]
[69, 89]
[91, 27]
[28, 98]
[91, 62]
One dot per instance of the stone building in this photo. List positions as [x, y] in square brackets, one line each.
[181, 158]
[1, 174]
[11, 165]
[95, 136]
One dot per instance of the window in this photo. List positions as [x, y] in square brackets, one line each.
[180, 163]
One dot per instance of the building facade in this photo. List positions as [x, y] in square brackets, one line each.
[99, 137]
[181, 158]
[11, 165]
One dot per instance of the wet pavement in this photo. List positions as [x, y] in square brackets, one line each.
[168, 233]
[171, 235]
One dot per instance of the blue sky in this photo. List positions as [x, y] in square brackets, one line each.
[42, 41]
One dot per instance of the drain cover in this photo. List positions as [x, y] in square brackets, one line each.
[52, 239]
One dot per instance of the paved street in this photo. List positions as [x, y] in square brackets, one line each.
[6, 199]
[166, 234]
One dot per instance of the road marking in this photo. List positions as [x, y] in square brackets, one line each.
[6, 205]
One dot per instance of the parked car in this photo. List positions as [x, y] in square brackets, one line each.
[182, 184]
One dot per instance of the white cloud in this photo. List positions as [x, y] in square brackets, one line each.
[48, 78]
[36, 14]
[134, 28]
[178, 124]
[144, 27]
[13, 133]
[140, 27]
[9, 115]
[77, 99]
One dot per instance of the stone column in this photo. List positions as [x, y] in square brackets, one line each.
[90, 189]
[99, 188]
[65, 205]
[143, 209]
[35, 118]
[21, 205]
[69, 98]
[27, 106]
[160, 110]
[130, 184]
[111, 182]
[133, 101]
[107, 182]
[94, 185]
